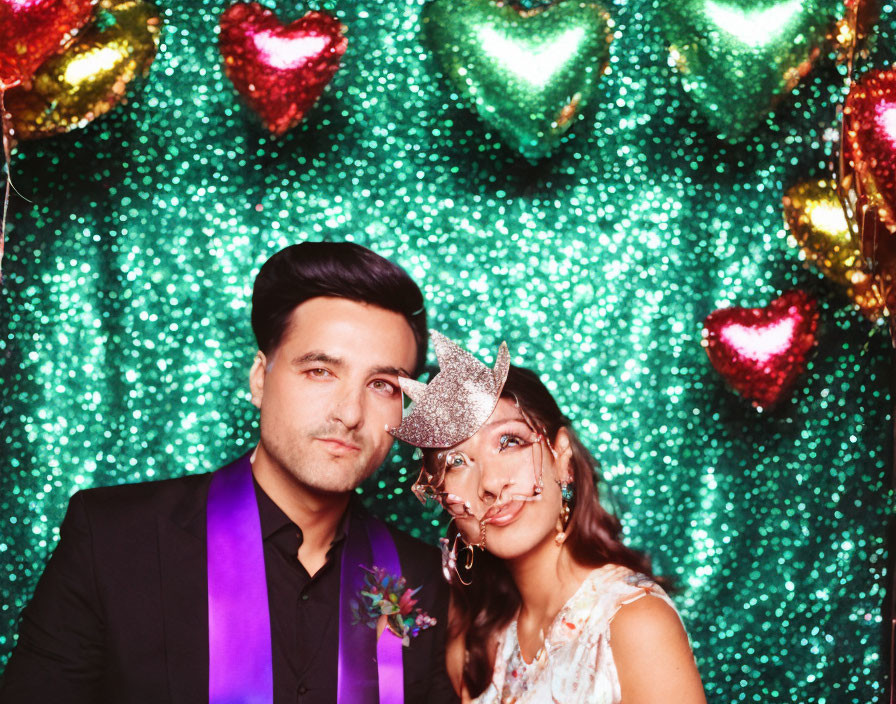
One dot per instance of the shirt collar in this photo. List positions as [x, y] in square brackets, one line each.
[274, 519]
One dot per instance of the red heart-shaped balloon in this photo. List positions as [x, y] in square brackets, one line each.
[31, 32]
[281, 71]
[761, 351]
[870, 135]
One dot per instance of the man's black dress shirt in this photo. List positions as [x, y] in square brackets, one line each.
[304, 610]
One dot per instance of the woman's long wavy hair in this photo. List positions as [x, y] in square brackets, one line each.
[491, 600]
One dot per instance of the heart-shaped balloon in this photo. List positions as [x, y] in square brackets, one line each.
[281, 71]
[738, 57]
[528, 73]
[815, 215]
[34, 30]
[870, 131]
[761, 351]
[90, 77]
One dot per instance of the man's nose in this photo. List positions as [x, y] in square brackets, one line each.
[349, 408]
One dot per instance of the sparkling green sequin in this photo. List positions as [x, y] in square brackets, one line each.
[126, 342]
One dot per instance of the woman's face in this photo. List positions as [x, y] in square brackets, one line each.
[502, 484]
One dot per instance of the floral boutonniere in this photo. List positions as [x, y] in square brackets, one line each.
[388, 602]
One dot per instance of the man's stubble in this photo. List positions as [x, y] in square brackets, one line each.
[313, 467]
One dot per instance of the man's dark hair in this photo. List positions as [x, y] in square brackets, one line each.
[339, 269]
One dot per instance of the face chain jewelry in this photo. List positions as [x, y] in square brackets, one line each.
[509, 456]
[480, 463]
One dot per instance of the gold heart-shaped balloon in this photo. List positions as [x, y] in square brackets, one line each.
[91, 76]
[818, 224]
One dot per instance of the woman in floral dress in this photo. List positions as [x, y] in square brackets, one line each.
[548, 605]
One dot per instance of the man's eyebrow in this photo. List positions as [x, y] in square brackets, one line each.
[395, 371]
[316, 356]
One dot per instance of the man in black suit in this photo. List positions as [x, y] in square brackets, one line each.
[248, 584]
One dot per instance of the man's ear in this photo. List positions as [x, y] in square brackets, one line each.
[256, 378]
[563, 448]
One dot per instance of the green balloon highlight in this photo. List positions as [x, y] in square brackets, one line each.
[528, 73]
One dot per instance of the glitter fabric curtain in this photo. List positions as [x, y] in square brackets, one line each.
[126, 340]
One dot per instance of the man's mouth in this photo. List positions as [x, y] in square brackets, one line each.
[339, 445]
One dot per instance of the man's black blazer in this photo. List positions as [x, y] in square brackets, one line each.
[120, 614]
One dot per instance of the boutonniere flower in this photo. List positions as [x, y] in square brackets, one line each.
[386, 601]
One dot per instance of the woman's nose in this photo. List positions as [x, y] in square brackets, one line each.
[492, 482]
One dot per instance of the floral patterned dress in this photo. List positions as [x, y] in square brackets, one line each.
[575, 664]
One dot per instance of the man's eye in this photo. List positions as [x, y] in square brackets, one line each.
[318, 373]
[384, 386]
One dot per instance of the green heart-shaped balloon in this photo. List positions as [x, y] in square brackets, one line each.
[737, 58]
[528, 73]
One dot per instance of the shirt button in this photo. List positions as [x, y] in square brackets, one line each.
[304, 597]
[303, 689]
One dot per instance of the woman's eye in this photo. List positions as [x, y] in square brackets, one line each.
[454, 461]
[508, 440]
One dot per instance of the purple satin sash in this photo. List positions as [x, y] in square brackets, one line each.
[239, 627]
[367, 678]
[239, 624]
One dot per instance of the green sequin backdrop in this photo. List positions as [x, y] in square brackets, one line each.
[126, 339]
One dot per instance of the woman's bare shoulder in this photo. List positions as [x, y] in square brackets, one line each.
[652, 654]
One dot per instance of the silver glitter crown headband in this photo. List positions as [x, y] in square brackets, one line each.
[458, 400]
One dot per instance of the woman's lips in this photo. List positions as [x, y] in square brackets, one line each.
[506, 515]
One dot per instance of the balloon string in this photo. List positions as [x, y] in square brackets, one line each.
[855, 209]
[7, 131]
[860, 208]
[867, 216]
[852, 26]
[852, 21]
